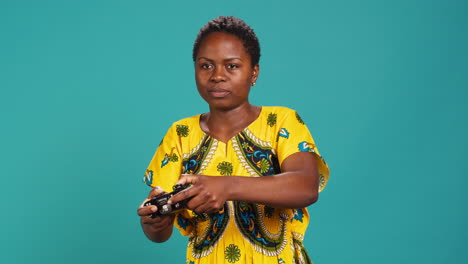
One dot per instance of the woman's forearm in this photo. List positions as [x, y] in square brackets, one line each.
[297, 187]
[285, 190]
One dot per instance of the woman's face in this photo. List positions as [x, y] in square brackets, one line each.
[223, 71]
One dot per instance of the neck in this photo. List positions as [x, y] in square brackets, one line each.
[224, 124]
[221, 116]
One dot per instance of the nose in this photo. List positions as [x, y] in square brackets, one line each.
[218, 75]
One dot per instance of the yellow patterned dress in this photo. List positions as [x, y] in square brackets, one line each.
[241, 232]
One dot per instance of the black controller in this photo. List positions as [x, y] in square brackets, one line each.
[161, 201]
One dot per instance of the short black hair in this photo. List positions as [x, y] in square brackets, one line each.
[234, 26]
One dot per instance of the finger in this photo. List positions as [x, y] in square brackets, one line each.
[143, 203]
[187, 179]
[156, 221]
[152, 220]
[207, 208]
[205, 203]
[147, 210]
[156, 191]
[198, 200]
[163, 223]
[198, 208]
[204, 208]
[183, 195]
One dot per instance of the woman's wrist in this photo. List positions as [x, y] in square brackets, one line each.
[232, 188]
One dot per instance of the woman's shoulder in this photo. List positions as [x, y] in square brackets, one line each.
[184, 125]
[278, 110]
[188, 121]
[279, 115]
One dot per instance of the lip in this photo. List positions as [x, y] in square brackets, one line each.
[218, 92]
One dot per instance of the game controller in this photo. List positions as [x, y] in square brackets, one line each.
[161, 201]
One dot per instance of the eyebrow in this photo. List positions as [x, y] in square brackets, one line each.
[228, 59]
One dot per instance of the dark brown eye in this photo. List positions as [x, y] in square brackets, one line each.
[232, 66]
[206, 66]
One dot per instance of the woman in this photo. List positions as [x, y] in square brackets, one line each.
[252, 169]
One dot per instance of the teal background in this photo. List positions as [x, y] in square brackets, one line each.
[88, 89]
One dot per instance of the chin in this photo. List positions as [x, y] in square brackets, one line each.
[221, 106]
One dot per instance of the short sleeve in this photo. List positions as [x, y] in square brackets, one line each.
[164, 171]
[293, 137]
[165, 167]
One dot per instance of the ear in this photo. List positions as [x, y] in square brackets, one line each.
[255, 72]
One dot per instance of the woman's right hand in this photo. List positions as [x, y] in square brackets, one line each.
[158, 228]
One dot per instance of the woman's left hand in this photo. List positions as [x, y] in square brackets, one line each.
[207, 193]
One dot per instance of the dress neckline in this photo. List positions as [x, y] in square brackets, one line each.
[230, 139]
